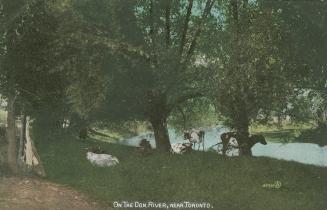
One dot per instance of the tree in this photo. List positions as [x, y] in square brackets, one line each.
[26, 81]
[306, 22]
[194, 113]
[252, 72]
[159, 74]
[9, 15]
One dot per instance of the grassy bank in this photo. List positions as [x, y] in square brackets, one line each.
[203, 177]
[301, 132]
[285, 134]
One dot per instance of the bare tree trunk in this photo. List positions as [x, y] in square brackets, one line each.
[161, 135]
[279, 120]
[22, 139]
[157, 113]
[242, 123]
[33, 160]
[243, 141]
[11, 134]
[321, 118]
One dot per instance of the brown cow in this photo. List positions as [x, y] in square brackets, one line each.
[244, 147]
[225, 138]
[145, 147]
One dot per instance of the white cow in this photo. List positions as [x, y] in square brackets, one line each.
[102, 160]
[195, 137]
[181, 148]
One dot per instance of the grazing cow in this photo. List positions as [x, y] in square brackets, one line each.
[253, 139]
[195, 137]
[256, 138]
[226, 138]
[229, 138]
[181, 148]
[102, 160]
[144, 147]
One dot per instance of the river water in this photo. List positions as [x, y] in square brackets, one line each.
[306, 153]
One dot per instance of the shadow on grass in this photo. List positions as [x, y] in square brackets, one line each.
[196, 177]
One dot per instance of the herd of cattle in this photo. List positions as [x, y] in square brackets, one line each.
[229, 140]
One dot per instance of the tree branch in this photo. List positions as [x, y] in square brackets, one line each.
[234, 12]
[30, 93]
[245, 4]
[184, 98]
[151, 32]
[185, 28]
[168, 7]
[11, 19]
[112, 44]
[205, 14]
[183, 115]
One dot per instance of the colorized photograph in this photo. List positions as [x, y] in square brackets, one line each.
[163, 104]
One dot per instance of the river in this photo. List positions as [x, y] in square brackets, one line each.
[306, 153]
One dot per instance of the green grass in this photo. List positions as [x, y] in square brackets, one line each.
[116, 132]
[232, 183]
[304, 133]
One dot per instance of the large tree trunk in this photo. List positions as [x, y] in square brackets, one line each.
[11, 134]
[161, 135]
[33, 160]
[157, 113]
[243, 141]
[242, 128]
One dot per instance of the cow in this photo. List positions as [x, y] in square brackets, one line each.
[181, 148]
[233, 139]
[226, 138]
[102, 160]
[195, 137]
[253, 139]
[144, 147]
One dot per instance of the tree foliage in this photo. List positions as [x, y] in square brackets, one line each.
[251, 66]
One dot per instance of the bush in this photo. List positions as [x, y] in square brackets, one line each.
[317, 135]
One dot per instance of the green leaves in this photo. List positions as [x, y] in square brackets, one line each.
[253, 76]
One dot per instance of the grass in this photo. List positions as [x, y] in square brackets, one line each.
[116, 132]
[232, 183]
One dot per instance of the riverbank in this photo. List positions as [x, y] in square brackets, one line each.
[231, 183]
[286, 133]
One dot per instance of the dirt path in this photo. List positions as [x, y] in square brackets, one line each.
[18, 193]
